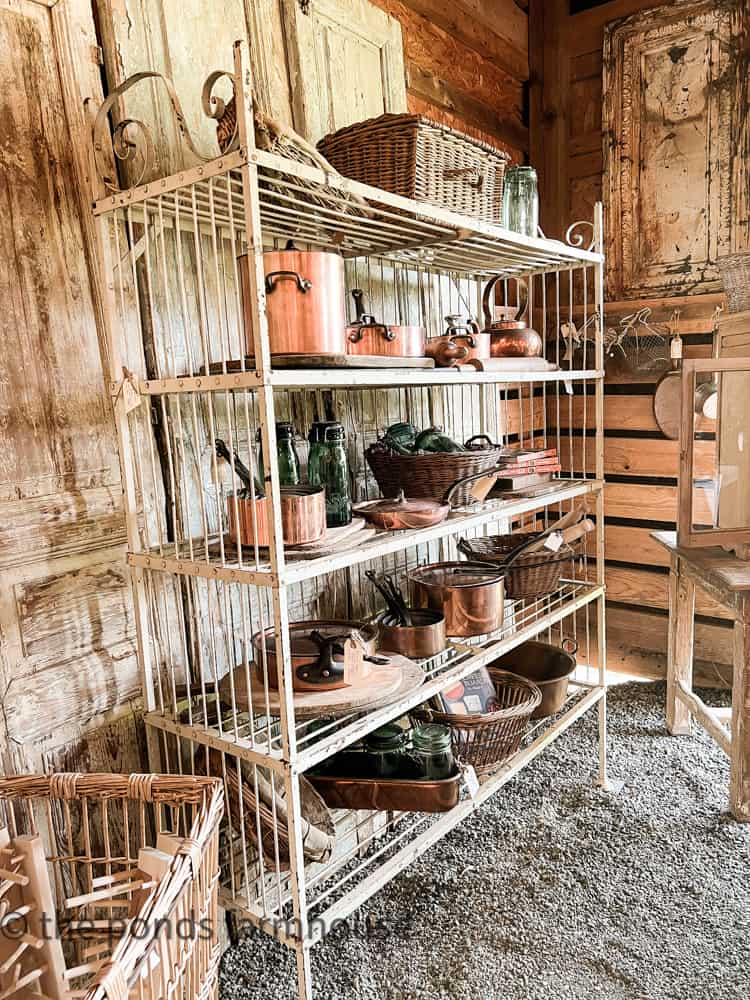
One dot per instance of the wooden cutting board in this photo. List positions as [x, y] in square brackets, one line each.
[319, 361]
[382, 686]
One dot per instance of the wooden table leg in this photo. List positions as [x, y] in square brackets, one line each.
[680, 647]
[739, 781]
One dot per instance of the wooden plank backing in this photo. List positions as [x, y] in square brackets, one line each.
[640, 501]
[621, 413]
[631, 545]
[639, 456]
[648, 588]
[647, 631]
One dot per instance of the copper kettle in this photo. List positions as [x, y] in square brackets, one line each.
[510, 333]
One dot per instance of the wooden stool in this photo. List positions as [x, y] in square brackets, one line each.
[727, 579]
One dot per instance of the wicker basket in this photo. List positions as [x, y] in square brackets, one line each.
[90, 829]
[486, 741]
[414, 157]
[446, 477]
[735, 275]
[531, 575]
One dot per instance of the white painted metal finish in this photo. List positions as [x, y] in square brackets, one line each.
[170, 263]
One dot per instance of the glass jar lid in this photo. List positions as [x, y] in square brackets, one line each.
[431, 738]
[389, 737]
[323, 431]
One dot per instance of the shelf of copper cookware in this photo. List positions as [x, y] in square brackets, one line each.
[222, 560]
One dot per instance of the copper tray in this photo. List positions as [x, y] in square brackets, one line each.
[388, 794]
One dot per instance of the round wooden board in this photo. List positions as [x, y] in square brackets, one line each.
[382, 686]
[667, 404]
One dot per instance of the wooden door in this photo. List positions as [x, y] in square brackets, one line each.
[67, 647]
[346, 64]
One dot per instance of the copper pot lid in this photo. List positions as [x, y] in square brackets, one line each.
[401, 505]
[301, 642]
[457, 574]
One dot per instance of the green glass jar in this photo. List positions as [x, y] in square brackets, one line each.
[327, 466]
[387, 752]
[521, 201]
[286, 454]
[432, 751]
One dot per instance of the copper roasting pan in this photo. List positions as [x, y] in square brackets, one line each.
[386, 794]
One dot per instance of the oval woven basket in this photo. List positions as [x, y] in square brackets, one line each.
[486, 741]
[530, 576]
[432, 476]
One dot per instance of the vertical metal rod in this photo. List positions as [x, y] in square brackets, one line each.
[257, 312]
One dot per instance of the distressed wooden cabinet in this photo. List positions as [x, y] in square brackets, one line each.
[675, 146]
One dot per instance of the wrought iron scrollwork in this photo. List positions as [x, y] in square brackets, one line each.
[131, 137]
[577, 239]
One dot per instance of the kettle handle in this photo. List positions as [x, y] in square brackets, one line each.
[523, 298]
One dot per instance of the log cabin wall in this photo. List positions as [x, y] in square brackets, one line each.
[67, 636]
[567, 147]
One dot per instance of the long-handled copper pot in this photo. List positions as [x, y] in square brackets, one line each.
[303, 510]
[471, 596]
[367, 336]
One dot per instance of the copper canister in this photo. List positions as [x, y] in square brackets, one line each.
[303, 516]
[470, 595]
[304, 301]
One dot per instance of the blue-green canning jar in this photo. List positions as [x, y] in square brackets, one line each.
[328, 466]
[286, 454]
[432, 751]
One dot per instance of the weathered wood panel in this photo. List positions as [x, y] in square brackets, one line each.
[640, 456]
[641, 502]
[669, 83]
[651, 589]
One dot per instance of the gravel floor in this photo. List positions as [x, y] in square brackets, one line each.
[555, 889]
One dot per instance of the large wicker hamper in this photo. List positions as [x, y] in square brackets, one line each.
[115, 934]
[414, 157]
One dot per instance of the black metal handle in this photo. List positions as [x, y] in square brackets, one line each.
[480, 437]
[240, 468]
[304, 284]
[326, 669]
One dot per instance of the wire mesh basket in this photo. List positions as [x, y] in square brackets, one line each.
[129, 867]
[486, 741]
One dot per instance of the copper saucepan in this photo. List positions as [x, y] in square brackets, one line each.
[367, 336]
[304, 301]
[303, 509]
[425, 636]
[471, 596]
[316, 656]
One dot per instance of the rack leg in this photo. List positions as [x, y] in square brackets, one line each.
[602, 779]
[304, 973]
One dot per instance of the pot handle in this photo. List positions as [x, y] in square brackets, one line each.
[457, 326]
[570, 646]
[492, 470]
[480, 437]
[304, 284]
[523, 296]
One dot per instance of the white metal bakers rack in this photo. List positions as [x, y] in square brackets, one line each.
[180, 379]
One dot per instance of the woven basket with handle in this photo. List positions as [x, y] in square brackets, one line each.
[435, 476]
[530, 576]
[414, 157]
[120, 934]
[486, 741]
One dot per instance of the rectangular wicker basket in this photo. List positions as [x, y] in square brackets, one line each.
[414, 157]
[113, 935]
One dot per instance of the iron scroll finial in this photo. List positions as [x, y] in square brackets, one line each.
[577, 239]
[125, 145]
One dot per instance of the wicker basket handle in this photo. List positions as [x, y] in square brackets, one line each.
[472, 175]
[523, 298]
